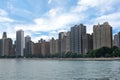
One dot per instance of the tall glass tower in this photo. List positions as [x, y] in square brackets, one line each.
[20, 43]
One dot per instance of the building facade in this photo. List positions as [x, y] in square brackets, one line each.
[53, 46]
[87, 43]
[37, 49]
[102, 35]
[20, 43]
[45, 48]
[65, 43]
[76, 38]
[61, 36]
[5, 45]
[117, 40]
[42, 48]
[28, 46]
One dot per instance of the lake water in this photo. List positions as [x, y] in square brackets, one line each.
[35, 69]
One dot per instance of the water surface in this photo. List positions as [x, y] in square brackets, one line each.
[36, 69]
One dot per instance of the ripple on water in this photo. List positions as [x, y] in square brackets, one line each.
[14, 69]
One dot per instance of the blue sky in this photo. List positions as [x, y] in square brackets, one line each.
[46, 18]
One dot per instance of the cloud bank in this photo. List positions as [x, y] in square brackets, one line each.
[58, 16]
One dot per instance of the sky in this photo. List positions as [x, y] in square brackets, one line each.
[46, 18]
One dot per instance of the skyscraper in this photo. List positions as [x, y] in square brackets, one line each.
[53, 46]
[27, 38]
[37, 49]
[76, 38]
[61, 36]
[4, 35]
[28, 46]
[5, 45]
[65, 43]
[102, 35]
[45, 48]
[87, 43]
[20, 43]
[42, 48]
[117, 40]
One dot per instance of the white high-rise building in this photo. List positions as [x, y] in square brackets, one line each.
[20, 43]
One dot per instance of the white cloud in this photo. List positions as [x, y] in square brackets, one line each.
[17, 10]
[101, 6]
[105, 10]
[49, 1]
[57, 19]
[53, 12]
[4, 16]
[6, 19]
[44, 37]
[113, 19]
[3, 12]
[53, 20]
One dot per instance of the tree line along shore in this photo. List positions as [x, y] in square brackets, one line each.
[104, 52]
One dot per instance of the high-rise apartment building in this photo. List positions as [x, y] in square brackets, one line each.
[117, 40]
[87, 43]
[64, 42]
[4, 35]
[61, 35]
[27, 38]
[8, 47]
[28, 46]
[76, 38]
[42, 48]
[102, 35]
[37, 49]
[45, 48]
[20, 43]
[5, 45]
[53, 46]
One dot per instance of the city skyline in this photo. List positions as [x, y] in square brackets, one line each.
[50, 38]
[46, 18]
[76, 41]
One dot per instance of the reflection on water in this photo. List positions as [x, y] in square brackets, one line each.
[35, 69]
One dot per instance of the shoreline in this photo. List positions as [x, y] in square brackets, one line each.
[82, 59]
[71, 59]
